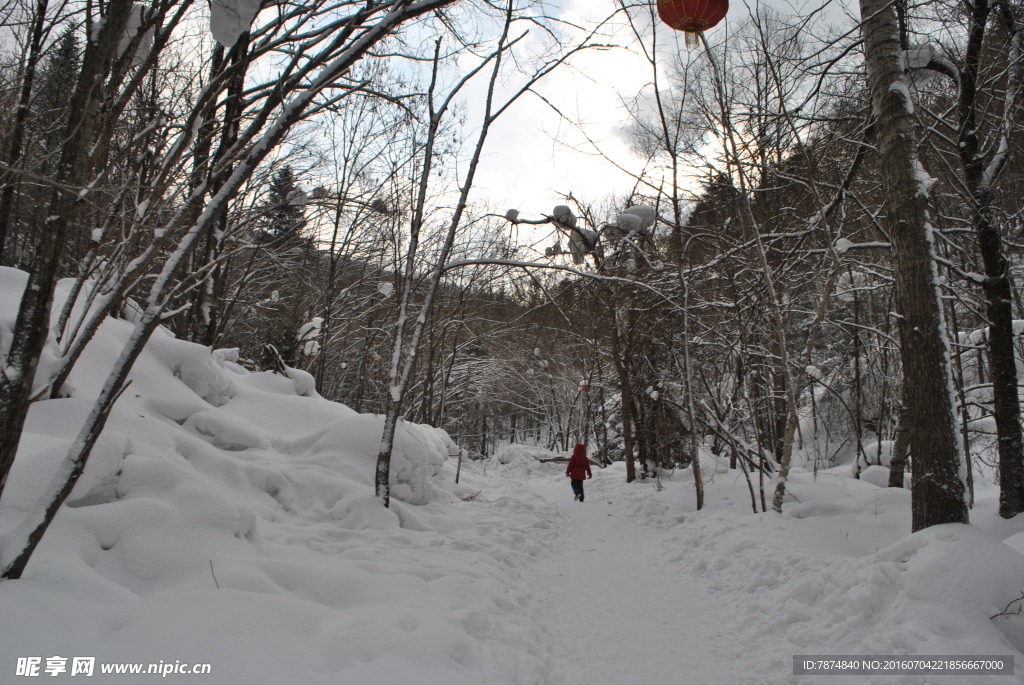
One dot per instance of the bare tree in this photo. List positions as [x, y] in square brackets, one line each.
[407, 340]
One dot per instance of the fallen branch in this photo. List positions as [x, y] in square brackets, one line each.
[1006, 611]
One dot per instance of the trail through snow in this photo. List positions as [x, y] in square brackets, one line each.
[616, 611]
[638, 587]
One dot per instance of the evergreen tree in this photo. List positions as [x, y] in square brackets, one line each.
[288, 257]
[56, 85]
[286, 213]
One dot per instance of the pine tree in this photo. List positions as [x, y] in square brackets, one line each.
[35, 145]
[289, 254]
[286, 214]
[57, 82]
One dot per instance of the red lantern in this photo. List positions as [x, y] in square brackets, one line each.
[692, 16]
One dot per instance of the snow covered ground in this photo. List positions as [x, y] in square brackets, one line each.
[645, 589]
[227, 518]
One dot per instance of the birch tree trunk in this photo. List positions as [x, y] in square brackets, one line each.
[938, 474]
[404, 354]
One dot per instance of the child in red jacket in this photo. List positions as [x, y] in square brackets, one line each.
[578, 469]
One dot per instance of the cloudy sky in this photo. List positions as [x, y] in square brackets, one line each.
[534, 155]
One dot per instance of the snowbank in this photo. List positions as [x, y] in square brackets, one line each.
[839, 572]
[518, 462]
[506, 454]
[228, 517]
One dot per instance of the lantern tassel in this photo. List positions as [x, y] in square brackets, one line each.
[691, 39]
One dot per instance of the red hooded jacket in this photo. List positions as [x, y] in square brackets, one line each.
[579, 465]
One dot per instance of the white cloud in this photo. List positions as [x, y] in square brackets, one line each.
[534, 154]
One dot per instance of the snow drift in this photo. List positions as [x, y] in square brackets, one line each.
[228, 517]
[841, 573]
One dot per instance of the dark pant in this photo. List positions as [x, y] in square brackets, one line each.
[577, 486]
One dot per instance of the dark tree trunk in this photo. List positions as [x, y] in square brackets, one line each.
[627, 400]
[858, 410]
[603, 433]
[33, 322]
[979, 174]
[780, 411]
[898, 458]
[13, 180]
[938, 485]
[640, 424]
[206, 309]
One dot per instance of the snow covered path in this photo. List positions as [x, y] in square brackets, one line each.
[603, 598]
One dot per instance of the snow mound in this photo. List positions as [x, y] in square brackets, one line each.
[1016, 541]
[506, 454]
[525, 468]
[839, 572]
[229, 517]
[350, 445]
[876, 475]
[524, 462]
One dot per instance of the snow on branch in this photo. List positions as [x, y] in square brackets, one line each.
[843, 245]
[928, 58]
[229, 19]
[1002, 153]
[557, 267]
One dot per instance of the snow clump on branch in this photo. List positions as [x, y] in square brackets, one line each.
[229, 19]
